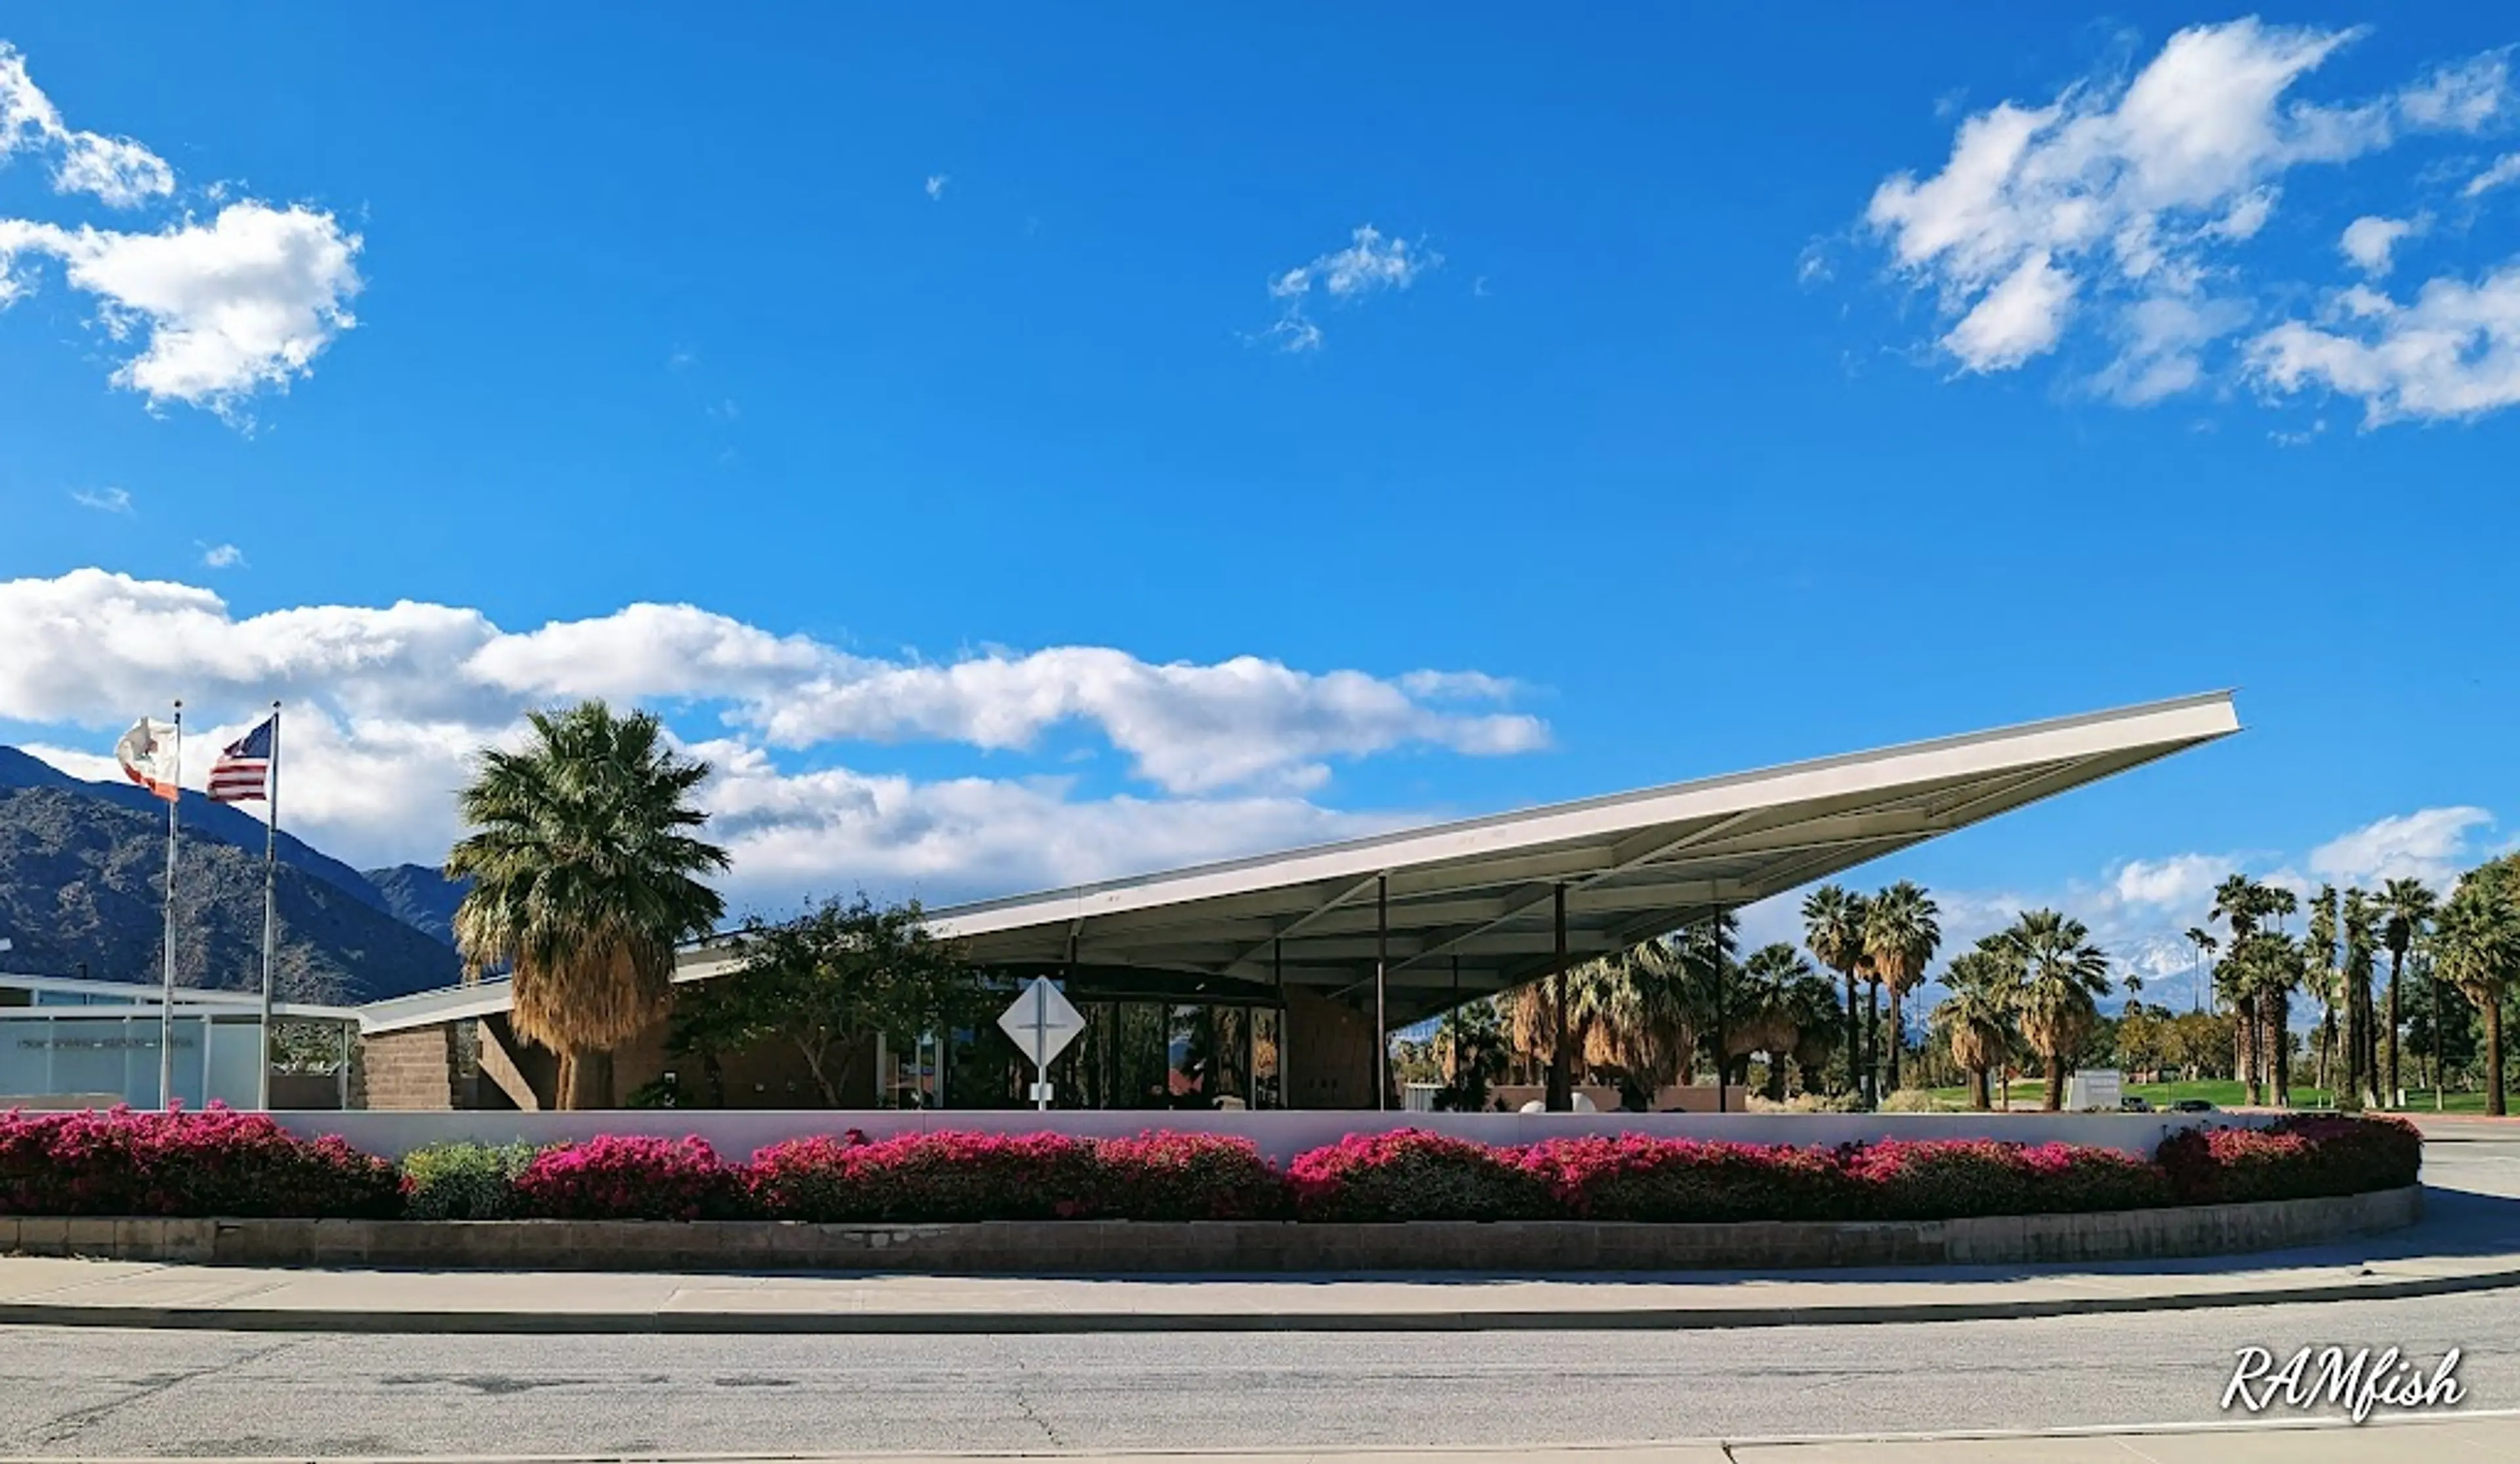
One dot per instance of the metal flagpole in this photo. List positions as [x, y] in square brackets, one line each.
[270, 918]
[166, 998]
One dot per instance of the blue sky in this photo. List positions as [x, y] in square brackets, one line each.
[1543, 409]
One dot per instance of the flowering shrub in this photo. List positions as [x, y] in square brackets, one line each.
[2296, 1157]
[1409, 1174]
[1950, 1179]
[464, 1180]
[1635, 1177]
[1189, 1176]
[630, 1178]
[929, 1177]
[221, 1163]
[212, 1162]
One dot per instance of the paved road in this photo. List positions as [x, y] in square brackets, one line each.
[107, 1392]
[101, 1392]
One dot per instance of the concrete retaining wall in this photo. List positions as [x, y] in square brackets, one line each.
[1121, 1247]
[1280, 1134]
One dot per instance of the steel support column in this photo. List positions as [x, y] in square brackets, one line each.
[1382, 971]
[1561, 1095]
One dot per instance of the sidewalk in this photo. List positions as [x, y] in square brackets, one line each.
[2466, 1242]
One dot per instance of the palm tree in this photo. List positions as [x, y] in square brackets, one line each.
[2238, 901]
[1977, 1017]
[2478, 940]
[2406, 906]
[2061, 973]
[2361, 1030]
[1833, 932]
[1816, 1017]
[2203, 940]
[2327, 983]
[584, 865]
[1900, 936]
[1636, 1012]
[1768, 998]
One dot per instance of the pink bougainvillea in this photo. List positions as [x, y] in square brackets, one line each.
[219, 1163]
[631, 1177]
[210, 1162]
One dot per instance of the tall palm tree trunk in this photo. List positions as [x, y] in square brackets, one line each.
[1558, 1096]
[1898, 1035]
[1873, 1043]
[1980, 1098]
[1854, 1039]
[2055, 1081]
[2280, 1033]
[2396, 958]
[2494, 1103]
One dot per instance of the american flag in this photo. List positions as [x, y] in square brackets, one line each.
[244, 771]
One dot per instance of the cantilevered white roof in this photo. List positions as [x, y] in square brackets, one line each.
[1469, 908]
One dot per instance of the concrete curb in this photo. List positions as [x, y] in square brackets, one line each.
[1116, 1248]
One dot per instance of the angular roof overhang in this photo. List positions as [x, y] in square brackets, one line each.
[1468, 907]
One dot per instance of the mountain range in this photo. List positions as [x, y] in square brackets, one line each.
[82, 865]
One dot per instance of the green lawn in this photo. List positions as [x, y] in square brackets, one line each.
[2030, 1092]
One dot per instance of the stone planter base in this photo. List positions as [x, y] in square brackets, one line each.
[1121, 1247]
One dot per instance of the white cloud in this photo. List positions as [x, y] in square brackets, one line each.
[222, 555]
[218, 310]
[2179, 880]
[2430, 844]
[390, 700]
[1370, 265]
[115, 169]
[2118, 199]
[2453, 353]
[2505, 169]
[937, 186]
[2021, 316]
[244, 301]
[2370, 239]
[104, 499]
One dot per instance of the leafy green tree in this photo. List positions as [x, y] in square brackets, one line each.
[585, 866]
[2062, 972]
[832, 980]
[1900, 936]
[1833, 933]
[2408, 905]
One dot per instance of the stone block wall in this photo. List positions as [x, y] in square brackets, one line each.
[410, 1070]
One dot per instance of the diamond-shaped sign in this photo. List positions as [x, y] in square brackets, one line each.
[1042, 1022]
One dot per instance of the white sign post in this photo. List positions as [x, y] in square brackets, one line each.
[1043, 1023]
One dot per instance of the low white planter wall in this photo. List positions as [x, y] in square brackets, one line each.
[1280, 1135]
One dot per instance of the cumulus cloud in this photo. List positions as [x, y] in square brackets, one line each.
[2453, 352]
[115, 169]
[104, 499]
[2370, 240]
[2119, 199]
[936, 187]
[2431, 844]
[387, 703]
[222, 555]
[1370, 265]
[214, 311]
[2179, 880]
